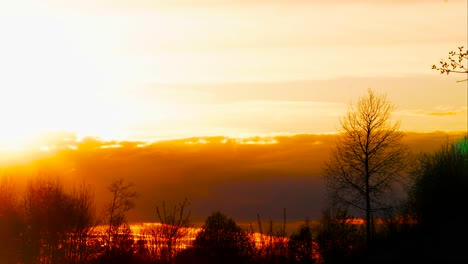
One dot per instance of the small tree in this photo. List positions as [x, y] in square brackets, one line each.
[174, 227]
[368, 158]
[457, 63]
[123, 200]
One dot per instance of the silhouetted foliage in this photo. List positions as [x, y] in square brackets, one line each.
[301, 246]
[438, 196]
[339, 240]
[457, 63]
[431, 227]
[84, 222]
[58, 224]
[48, 215]
[395, 241]
[368, 159]
[221, 240]
[273, 245]
[11, 222]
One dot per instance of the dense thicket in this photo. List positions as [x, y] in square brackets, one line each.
[438, 199]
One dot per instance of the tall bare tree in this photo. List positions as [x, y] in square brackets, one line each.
[368, 158]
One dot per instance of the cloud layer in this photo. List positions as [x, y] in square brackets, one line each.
[243, 177]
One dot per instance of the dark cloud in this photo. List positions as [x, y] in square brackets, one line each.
[215, 173]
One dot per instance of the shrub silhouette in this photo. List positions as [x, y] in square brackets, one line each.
[300, 245]
[438, 198]
[272, 242]
[221, 240]
[338, 239]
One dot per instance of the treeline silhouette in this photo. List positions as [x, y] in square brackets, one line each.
[49, 224]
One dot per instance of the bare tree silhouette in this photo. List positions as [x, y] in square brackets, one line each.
[123, 200]
[175, 226]
[368, 158]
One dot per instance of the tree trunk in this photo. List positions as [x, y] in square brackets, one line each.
[368, 206]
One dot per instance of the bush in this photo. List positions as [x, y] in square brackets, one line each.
[221, 240]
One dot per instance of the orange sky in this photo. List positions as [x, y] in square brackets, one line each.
[149, 69]
[213, 173]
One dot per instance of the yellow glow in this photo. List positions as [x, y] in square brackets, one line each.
[71, 77]
[111, 146]
[79, 66]
[44, 148]
[53, 83]
[257, 141]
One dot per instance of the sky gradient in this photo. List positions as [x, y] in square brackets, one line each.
[157, 69]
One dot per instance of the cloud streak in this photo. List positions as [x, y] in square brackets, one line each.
[438, 112]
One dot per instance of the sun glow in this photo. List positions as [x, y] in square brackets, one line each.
[51, 82]
[40, 114]
[105, 69]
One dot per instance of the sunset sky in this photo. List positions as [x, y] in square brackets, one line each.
[147, 69]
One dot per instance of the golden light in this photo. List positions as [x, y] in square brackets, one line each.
[53, 80]
[79, 66]
[76, 73]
